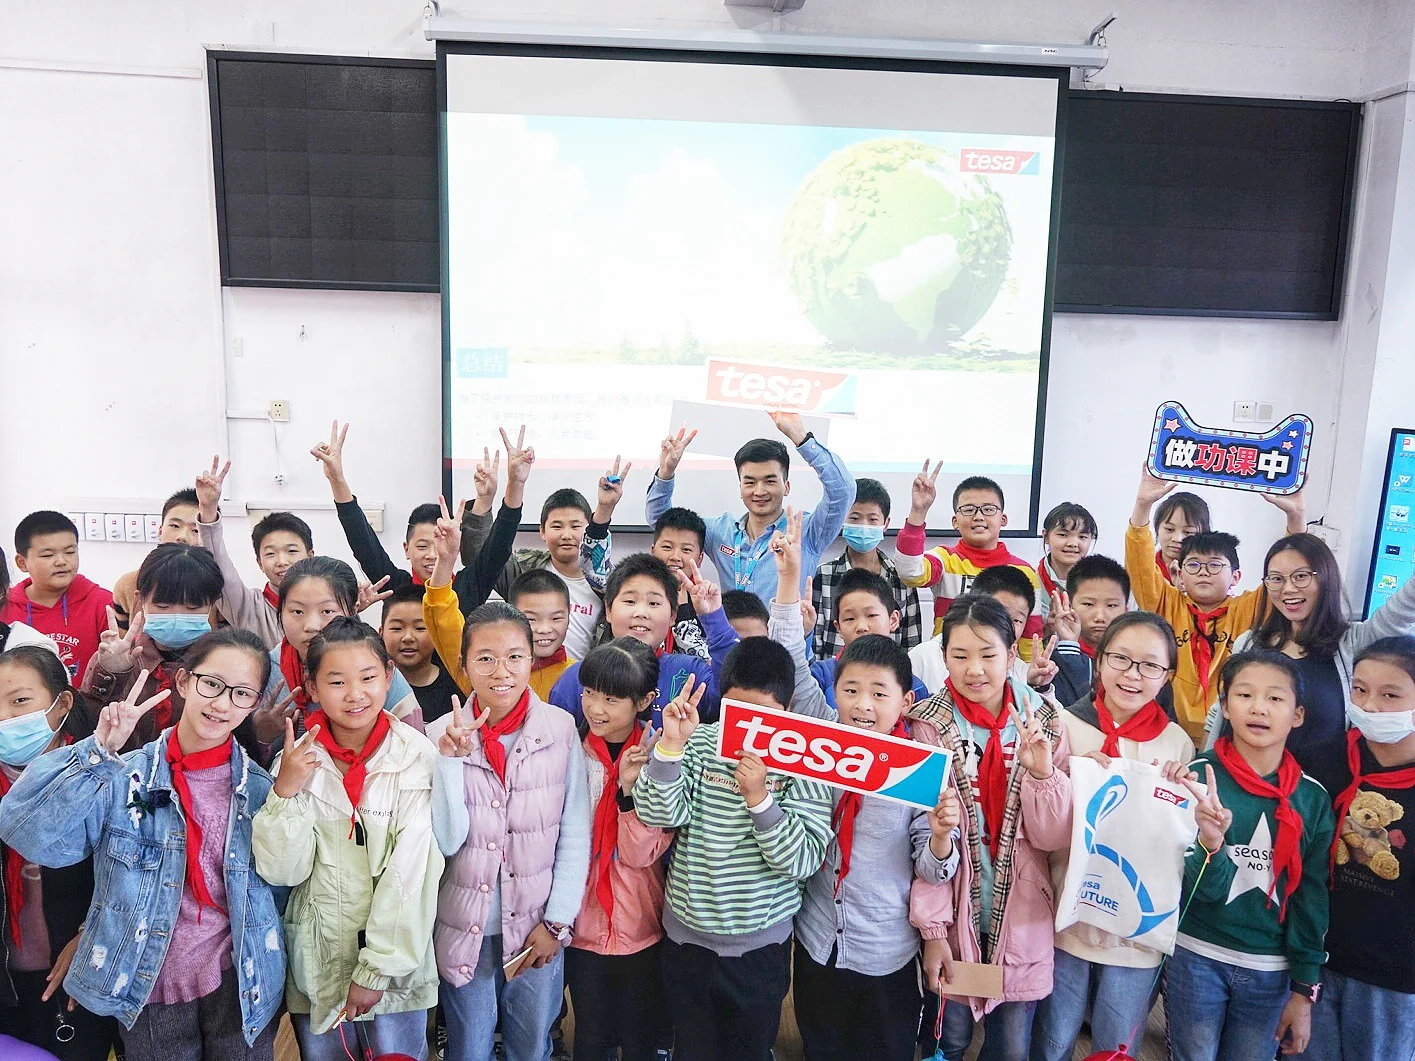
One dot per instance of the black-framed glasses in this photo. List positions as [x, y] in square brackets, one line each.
[1120, 663]
[243, 697]
[1300, 579]
[486, 665]
[1204, 567]
[969, 511]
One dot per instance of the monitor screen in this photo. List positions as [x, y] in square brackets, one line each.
[1393, 556]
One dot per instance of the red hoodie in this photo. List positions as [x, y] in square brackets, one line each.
[73, 624]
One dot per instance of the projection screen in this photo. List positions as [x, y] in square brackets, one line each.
[639, 239]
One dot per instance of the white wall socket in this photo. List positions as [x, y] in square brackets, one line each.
[279, 410]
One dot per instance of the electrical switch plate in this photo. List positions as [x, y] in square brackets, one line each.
[93, 526]
[152, 528]
[113, 526]
[134, 527]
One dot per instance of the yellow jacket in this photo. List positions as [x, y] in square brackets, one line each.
[444, 625]
[1153, 594]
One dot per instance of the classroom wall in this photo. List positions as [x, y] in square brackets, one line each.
[120, 350]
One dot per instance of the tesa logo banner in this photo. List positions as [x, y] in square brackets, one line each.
[988, 160]
[856, 760]
[794, 387]
[1171, 797]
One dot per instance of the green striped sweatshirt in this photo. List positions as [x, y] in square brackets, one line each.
[731, 875]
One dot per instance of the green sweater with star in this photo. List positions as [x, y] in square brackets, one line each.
[1230, 918]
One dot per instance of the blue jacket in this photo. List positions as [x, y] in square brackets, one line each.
[673, 671]
[82, 800]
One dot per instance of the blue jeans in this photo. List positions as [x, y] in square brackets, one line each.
[1120, 1007]
[1356, 1021]
[1222, 1012]
[1006, 1031]
[527, 1007]
[388, 1033]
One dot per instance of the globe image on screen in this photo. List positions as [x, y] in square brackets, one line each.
[890, 248]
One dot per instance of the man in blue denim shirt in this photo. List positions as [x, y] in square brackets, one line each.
[739, 546]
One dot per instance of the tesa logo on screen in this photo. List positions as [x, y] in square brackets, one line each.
[781, 386]
[1172, 797]
[984, 160]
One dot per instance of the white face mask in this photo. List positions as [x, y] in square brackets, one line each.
[1382, 727]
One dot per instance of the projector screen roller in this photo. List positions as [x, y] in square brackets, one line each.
[640, 240]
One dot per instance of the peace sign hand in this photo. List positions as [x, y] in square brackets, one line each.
[331, 454]
[487, 477]
[117, 721]
[705, 594]
[611, 490]
[369, 595]
[519, 457]
[786, 549]
[680, 718]
[1042, 669]
[1212, 817]
[923, 493]
[447, 535]
[634, 759]
[456, 739]
[1033, 742]
[273, 713]
[208, 488]
[117, 651]
[297, 761]
[1062, 619]
[671, 450]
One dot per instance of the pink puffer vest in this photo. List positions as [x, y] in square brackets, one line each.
[511, 837]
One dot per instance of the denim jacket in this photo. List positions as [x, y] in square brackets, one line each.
[82, 800]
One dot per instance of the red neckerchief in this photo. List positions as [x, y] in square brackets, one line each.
[843, 818]
[272, 597]
[997, 556]
[162, 712]
[992, 773]
[667, 648]
[1163, 566]
[1044, 573]
[418, 579]
[180, 764]
[605, 834]
[1203, 643]
[492, 733]
[541, 662]
[1393, 779]
[293, 669]
[357, 760]
[15, 868]
[1089, 651]
[1287, 845]
[1144, 725]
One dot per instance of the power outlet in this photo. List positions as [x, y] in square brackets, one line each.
[279, 411]
[1330, 535]
[1245, 412]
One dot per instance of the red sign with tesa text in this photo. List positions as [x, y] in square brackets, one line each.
[858, 760]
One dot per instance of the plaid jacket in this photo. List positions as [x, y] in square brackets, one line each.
[828, 642]
[938, 710]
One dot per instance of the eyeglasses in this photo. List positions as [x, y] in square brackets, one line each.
[486, 665]
[243, 698]
[1299, 579]
[1120, 663]
[969, 511]
[1204, 567]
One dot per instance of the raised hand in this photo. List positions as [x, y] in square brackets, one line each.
[272, 715]
[117, 721]
[297, 761]
[1212, 817]
[369, 595]
[208, 488]
[519, 457]
[1062, 619]
[456, 739]
[634, 759]
[923, 493]
[611, 490]
[331, 455]
[750, 776]
[680, 717]
[943, 819]
[1294, 506]
[789, 424]
[117, 651]
[1033, 742]
[808, 608]
[705, 594]
[486, 478]
[1041, 670]
[785, 549]
[1152, 488]
[671, 450]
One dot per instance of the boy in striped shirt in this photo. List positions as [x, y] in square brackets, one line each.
[746, 844]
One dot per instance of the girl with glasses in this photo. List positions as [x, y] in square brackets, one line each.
[1120, 717]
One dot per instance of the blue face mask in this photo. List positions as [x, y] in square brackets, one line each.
[174, 630]
[860, 538]
[23, 739]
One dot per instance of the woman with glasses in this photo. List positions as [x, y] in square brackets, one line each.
[1098, 971]
[1303, 615]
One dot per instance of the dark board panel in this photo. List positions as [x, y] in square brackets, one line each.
[1198, 205]
[326, 171]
